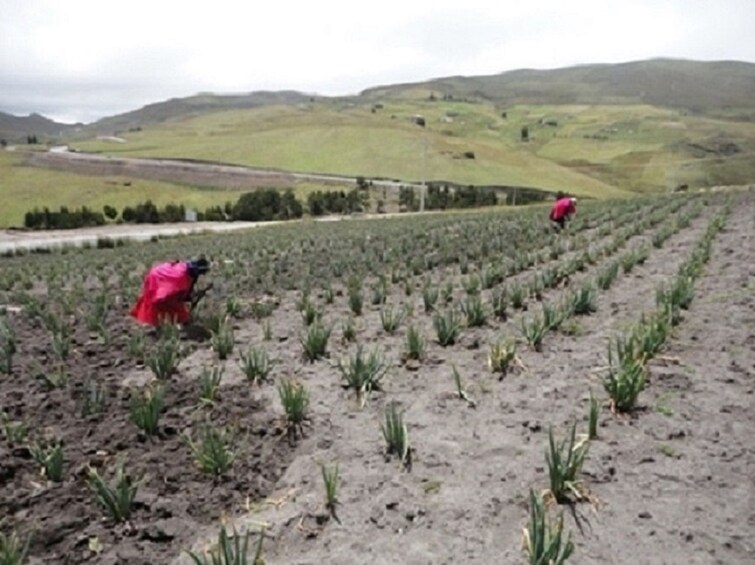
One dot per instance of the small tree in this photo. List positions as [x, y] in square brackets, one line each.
[110, 212]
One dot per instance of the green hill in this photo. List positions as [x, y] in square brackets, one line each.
[16, 129]
[593, 130]
[703, 87]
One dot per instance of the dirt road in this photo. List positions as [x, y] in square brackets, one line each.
[217, 175]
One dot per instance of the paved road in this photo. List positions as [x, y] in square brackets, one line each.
[11, 240]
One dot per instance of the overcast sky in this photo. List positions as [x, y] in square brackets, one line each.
[80, 60]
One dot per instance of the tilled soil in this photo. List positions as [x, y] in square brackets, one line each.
[672, 483]
[174, 500]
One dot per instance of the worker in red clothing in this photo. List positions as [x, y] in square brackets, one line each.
[562, 211]
[166, 289]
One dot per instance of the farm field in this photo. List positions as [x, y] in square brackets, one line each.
[478, 334]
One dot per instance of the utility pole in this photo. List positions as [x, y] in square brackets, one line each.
[424, 173]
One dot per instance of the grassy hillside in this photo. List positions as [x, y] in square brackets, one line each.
[702, 87]
[590, 150]
[15, 129]
[23, 188]
[594, 130]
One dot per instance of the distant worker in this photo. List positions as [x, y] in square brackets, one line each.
[562, 211]
[167, 289]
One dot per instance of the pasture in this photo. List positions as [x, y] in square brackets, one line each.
[598, 151]
[393, 391]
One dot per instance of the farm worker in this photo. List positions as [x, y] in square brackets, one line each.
[562, 210]
[166, 289]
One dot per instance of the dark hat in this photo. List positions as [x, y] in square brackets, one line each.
[199, 266]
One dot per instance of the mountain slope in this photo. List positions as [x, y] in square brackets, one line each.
[691, 85]
[16, 129]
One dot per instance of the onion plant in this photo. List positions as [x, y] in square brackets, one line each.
[390, 319]
[607, 275]
[13, 550]
[626, 375]
[146, 406]
[363, 373]
[565, 461]
[430, 297]
[349, 330]
[592, 418]
[7, 346]
[331, 479]
[230, 550]
[116, 498]
[315, 341]
[414, 347]
[534, 331]
[50, 458]
[499, 303]
[222, 340]
[474, 310]
[256, 365]
[396, 435]
[543, 537]
[213, 452]
[447, 327]
[95, 398]
[209, 384]
[295, 400]
[517, 296]
[14, 432]
[164, 358]
[582, 301]
[501, 356]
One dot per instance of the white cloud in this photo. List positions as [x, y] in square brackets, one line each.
[73, 57]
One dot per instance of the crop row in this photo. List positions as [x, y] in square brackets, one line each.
[212, 446]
